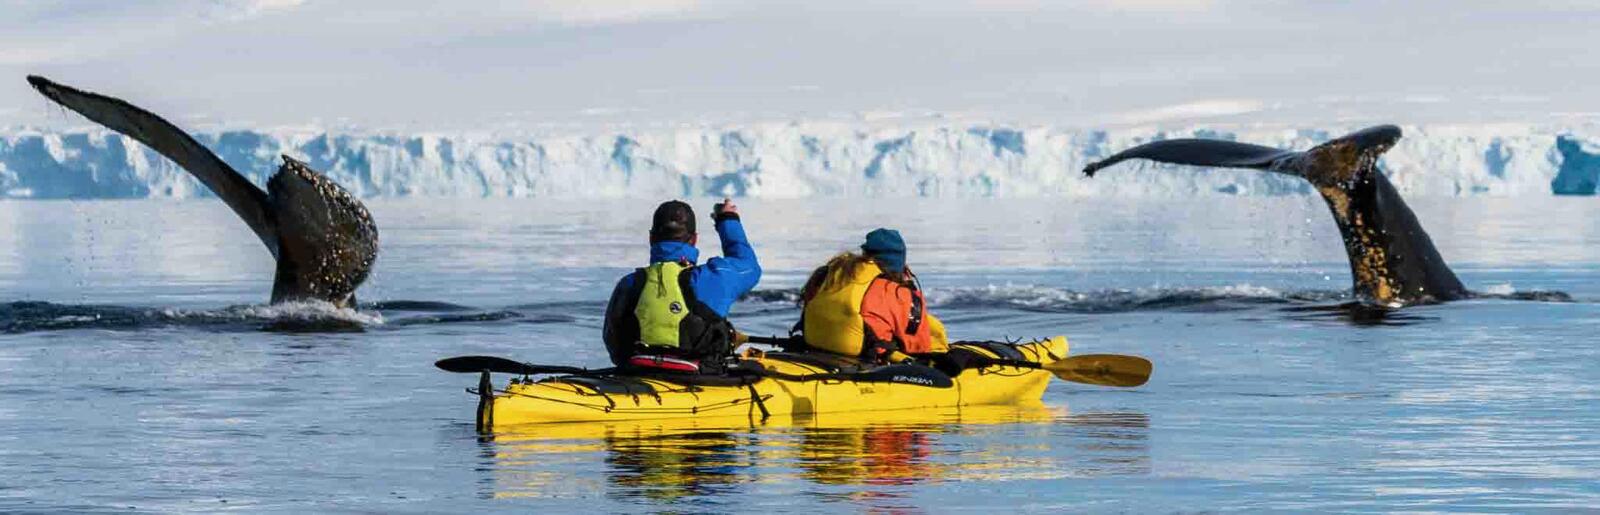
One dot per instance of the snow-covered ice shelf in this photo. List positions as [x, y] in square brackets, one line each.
[790, 160]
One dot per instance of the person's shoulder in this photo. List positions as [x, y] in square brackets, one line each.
[900, 288]
[627, 279]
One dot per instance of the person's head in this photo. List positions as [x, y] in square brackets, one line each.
[887, 248]
[883, 247]
[673, 221]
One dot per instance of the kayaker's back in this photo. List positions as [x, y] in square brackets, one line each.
[683, 320]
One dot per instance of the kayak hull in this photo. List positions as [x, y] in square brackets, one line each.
[569, 399]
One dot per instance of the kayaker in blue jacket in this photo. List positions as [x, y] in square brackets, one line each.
[673, 314]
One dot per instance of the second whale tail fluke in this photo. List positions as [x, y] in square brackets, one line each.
[1393, 262]
[247, 200]
[323, 238]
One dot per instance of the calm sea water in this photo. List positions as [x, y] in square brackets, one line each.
[137, 372]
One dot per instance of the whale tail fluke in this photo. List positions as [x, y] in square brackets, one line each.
[1197, 152]
[1392, 259]
[323, 238]
[1340, 159]
[247, 200]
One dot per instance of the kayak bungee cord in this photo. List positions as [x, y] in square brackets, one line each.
[612, 406]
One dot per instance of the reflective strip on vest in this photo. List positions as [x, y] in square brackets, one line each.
[665, 363]
[661, 305]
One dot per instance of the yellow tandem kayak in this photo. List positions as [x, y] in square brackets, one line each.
[805, 384]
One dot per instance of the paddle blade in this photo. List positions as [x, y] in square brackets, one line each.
[475, 364]
[1103, 369]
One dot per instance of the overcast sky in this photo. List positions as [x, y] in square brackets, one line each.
[547, 63]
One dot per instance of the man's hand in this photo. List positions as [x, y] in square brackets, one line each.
[724, 209]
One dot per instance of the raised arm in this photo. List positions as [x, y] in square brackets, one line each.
[738, 260]
[734, 273]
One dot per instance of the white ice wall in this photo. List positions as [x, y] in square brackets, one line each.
[789, 160]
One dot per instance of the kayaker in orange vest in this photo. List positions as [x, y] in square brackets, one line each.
[870, 305]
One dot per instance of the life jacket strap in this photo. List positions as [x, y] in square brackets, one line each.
[914, 319]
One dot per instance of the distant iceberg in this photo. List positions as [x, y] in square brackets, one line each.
[789, 160]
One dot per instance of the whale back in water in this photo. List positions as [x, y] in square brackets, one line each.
[1393, 262]
[324, 240]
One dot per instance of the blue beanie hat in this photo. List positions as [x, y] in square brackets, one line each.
[887, 246]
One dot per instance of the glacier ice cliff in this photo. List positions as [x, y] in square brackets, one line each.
[1580, 168]
[788, 160]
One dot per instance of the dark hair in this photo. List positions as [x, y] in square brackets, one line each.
[673, 221]
[840, 268]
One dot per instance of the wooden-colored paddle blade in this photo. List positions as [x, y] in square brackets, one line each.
[1103, 369]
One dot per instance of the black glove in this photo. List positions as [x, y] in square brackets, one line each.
[719, 212]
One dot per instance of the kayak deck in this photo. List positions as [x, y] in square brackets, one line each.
[812, 383]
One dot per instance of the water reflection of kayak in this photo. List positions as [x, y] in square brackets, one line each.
[796, 384]
[862, 458]
[676, 458]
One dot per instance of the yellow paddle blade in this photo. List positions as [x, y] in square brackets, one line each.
[1103, 369]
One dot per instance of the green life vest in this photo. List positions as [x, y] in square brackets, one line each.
[662, 306]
